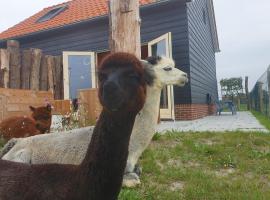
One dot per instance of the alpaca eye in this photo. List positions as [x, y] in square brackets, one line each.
[167, 69]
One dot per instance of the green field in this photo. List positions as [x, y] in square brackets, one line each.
[208, 166]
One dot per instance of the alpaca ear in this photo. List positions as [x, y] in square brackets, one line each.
[32, 108]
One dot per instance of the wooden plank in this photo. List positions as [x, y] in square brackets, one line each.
[35, 69]
[4, 68]
[50, 62]
[16, 102]
[125, 22]
[44, 74]
[61, 107]
[13, 48]
[89, 107]
[58, 74]
[26, 69]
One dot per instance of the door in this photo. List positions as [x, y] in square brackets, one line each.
[79, 72]
[162, 46]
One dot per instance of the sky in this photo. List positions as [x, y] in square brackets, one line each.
[243, 30]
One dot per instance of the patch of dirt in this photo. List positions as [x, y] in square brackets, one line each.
[165, 143]
[249, 175]
[192, 164]
[208, 142]
[265, 180]
[225, 172]
[176, 186]
[175, 163]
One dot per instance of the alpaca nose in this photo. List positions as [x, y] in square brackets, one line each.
[185, 76]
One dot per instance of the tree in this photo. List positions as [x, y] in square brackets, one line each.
[231, 87]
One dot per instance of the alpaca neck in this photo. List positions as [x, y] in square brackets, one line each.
[105, 161]
[153, 99]
[151, 107]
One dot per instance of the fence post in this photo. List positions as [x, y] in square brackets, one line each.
[35, 69]
[268, 80]
[260, 94]
[4, 68]
[247, 93]
[13, 48]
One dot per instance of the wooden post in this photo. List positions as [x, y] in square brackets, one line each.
[13, 48]
[26, 69]
[50, 62]
[247, 93]
[35, 69]
[4, 68]
[268, 80]
[125, 26]
[260, 95]
[44, 74]
[58, 74]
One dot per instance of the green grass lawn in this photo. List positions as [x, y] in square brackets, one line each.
[216, 166]
[264, 120]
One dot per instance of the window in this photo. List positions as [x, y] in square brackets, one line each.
[204, 16]
[52, 13]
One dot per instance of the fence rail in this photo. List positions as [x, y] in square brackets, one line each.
[260, 94]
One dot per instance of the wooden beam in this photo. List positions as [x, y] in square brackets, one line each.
[247, 93]
[58, 74]
[35, 69]
[26, 69]
[4, 68]
[13, 48]
[125, 26]
[44, 74]
[50, 62]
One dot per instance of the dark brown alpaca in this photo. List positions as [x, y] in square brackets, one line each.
[122, 91]
[23, 126]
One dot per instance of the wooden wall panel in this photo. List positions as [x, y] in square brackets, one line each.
[89, 106]
[16, 102]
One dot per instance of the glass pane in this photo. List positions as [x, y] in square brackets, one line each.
[79, 73]
[160, 49]
[164, 98]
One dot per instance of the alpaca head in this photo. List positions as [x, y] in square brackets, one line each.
[41, 113]
[122, 85]
[164, 72]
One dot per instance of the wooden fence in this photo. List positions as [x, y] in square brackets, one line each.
[89, 107]
[30, 69]
[17, 101]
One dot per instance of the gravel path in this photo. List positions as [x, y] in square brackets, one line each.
[242, 121]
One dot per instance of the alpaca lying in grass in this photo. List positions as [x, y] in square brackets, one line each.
[23, 126]
[70, 147]
[122, 92]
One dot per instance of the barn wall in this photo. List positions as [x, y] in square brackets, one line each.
[201, 53]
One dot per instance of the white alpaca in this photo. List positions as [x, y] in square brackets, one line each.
[70, 147]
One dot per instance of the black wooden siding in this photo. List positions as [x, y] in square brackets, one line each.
[201, 53]
[93, 36]
[192, 48]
